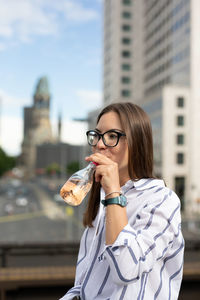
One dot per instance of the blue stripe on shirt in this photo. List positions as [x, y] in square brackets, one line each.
[145, 285]
[164, 262]
[152, 246]
[153, 212]
[104, 281]
[172, 277]
[169, 223]
[141, 286]
[92, 264]
[118, 270]
[133, 255]
[123, 292]
[85, 244]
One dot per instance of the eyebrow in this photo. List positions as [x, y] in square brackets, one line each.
[96, 129]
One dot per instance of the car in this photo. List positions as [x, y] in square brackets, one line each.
[21, 201]
[58, 198]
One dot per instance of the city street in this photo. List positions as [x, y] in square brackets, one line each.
[38, 217]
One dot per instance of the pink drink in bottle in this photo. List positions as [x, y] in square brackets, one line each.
[78, 185]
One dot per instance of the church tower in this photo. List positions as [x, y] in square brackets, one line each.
[37, 126]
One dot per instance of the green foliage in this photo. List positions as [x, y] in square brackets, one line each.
[73, 167]
[6, 162]
[52, 169]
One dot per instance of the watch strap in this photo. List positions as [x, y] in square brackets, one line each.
[120, 200]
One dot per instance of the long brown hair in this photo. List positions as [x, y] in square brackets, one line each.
[137, 127]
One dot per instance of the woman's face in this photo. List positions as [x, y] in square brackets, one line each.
[119, 153]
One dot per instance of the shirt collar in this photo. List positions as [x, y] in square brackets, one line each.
[139, 185]
[148, 183]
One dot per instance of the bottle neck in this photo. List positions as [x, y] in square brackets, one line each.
[92, 165]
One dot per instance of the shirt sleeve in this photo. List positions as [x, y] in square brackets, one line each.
[145, 240]
[73, 292]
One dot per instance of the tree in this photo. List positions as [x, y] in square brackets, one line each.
[73, 167]
[52, 169]
[6, 162]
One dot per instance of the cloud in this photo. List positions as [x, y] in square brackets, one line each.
[2, 46]
[90, 99]
[11, 125]
[11, 132]
[8, 101]
[75, 12]
[22, 20]
[73, 132]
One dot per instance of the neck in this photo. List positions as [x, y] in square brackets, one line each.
[123, 178]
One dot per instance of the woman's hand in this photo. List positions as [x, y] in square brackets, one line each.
[106, 173]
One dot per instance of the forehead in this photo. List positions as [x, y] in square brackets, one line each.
[109, 121]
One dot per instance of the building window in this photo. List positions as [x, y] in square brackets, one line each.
[125, 80]
[180, 120]
[126, 41]
[125, 93]
[180, 102]
[126, 2]
[180, 139]
[126, 14]
[126, 27]
[126, 53]
[180, 189]
[180, 158]
[126, 67]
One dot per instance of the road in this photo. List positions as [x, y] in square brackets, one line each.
[39, 218]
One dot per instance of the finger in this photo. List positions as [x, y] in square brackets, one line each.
[99, 158]
[98, 177]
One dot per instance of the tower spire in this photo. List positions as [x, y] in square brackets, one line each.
[59, 126]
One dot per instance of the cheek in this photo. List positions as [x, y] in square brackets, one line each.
[121, 156]
[124, 155]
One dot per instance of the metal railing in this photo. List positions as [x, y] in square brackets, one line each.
[33, 254]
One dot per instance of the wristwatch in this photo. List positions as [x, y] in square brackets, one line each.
[120, 200]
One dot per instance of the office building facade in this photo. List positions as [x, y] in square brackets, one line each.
[151, 58]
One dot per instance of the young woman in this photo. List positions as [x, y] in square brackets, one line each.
[132, 247]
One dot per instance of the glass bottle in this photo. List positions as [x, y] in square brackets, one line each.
[78, 185]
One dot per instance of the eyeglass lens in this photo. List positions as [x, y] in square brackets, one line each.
[110, 138]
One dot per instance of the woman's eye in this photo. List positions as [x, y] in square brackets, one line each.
[112, 136]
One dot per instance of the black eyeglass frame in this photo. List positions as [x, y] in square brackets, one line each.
[101, 135]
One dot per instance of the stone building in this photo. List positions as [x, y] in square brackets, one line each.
[37, 126]
[40, 148]
[60, 153]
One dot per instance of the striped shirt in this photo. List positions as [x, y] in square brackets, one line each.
[145, 261]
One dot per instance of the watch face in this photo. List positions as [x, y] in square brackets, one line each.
[123, 200]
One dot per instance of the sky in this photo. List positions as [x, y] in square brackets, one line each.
[61, 40]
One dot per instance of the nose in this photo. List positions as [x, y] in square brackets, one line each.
[100, 144]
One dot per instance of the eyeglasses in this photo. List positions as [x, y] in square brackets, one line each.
[110, 138]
